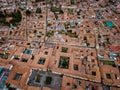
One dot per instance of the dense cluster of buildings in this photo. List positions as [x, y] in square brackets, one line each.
[59, 45]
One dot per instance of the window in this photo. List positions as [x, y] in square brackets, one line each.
[46, 53]
[74, 86]
[32, 57]
[87, 31]
[116, 76]
[75, 67]
[81, 51]
[68, 84]
[94, 73]
[79, 82]
[93, 88]
[17, 76]
[24, 60]
[91, 53]
[93, 60]
[57, 47]
[108, 76]
[28, 43]
[41, 61]
[85, 38]
[119, 68]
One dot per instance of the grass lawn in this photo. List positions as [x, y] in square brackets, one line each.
[64, 62]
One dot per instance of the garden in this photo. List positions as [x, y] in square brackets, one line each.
[64, 62]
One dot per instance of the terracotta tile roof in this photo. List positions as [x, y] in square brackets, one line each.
[116, 48]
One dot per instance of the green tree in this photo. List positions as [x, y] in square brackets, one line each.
[39, 0]
[16, 18]
[28, 12]
[38, 10]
